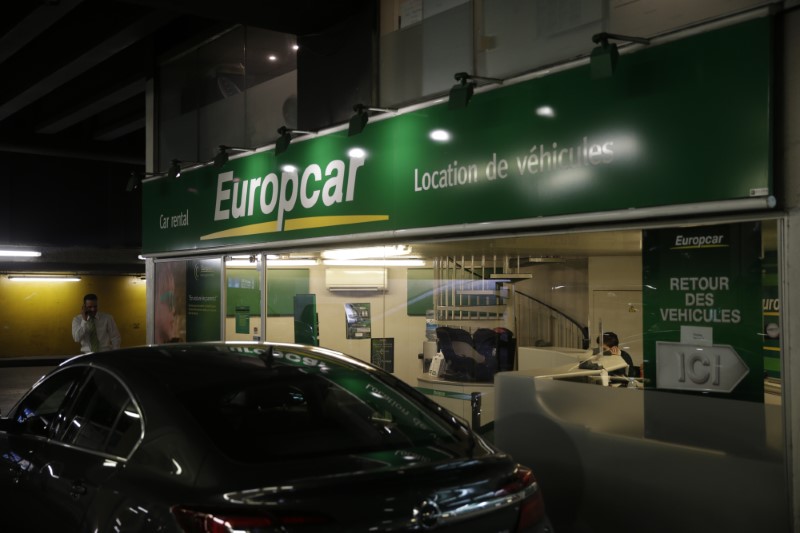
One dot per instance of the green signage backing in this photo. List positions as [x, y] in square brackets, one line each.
[661, 131]
[771, 311]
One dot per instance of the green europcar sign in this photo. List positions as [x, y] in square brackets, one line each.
[678, 123]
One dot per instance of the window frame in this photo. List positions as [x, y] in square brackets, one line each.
[68, 412]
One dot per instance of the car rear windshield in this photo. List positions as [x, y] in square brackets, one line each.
[295, 404]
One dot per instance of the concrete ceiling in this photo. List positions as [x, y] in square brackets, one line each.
[73, 115]
[74, 71]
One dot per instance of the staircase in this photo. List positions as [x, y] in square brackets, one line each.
[474, 292]
[544, 325]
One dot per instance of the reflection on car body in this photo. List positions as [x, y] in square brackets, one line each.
[249, 437]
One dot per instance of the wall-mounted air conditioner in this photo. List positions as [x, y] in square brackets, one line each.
[356, 279]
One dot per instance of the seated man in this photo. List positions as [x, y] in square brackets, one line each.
[611, 347]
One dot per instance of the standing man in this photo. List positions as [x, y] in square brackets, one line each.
[95, 330]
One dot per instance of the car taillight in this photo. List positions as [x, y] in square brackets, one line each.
[530, 513]
[531, 510]
[207, 521]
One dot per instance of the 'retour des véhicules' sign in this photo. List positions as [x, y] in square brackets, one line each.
[702, 300]
[662, 131]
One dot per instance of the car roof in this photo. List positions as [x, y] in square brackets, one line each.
[183, 365]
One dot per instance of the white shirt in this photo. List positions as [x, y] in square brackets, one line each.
[107, 332]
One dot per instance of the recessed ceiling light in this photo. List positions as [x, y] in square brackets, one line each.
[43, 279]
[20, 253]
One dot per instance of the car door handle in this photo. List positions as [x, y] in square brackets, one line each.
[77, 490]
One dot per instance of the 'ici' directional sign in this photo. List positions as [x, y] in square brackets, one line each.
[716, 368]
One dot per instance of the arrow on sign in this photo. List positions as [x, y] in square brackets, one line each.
[716, 368]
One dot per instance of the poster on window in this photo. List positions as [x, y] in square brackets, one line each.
[243, 319]
[203, 292]
[170, 302]
[381, 353]
[358, 323]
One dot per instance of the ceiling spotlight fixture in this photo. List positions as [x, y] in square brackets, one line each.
[175, 168]
[603, 60]
[286, 138]
[133, 182]
[461, 93]
[135, 179]
[174, 171]
[222, 156]
[359, 121]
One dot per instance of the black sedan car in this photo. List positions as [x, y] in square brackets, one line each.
[248, 438]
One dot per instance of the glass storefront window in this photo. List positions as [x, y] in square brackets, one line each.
[225, 93]
[243, 275]
[693, 306]
[425, 42]
[187, 306]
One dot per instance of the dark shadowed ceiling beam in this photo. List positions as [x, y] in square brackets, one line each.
[34, 25]
[93, 107]
[108, 48]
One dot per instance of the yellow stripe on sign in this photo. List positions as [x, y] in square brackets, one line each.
[295, 224]
[771, 313]
[772, 348]
[699, 247]
[323, 222]
[252, 229]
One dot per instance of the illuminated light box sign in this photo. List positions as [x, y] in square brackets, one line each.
[634, 140]
[702, 310]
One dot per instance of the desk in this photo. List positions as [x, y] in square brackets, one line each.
[535, 357]
[456, 396]
[572, 370]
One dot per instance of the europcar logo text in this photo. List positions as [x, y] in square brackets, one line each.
[683, 242]
[287, 197]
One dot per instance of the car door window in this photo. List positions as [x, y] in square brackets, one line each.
[41, 410]
[104, 417]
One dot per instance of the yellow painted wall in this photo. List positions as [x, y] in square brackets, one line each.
[36, 318]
